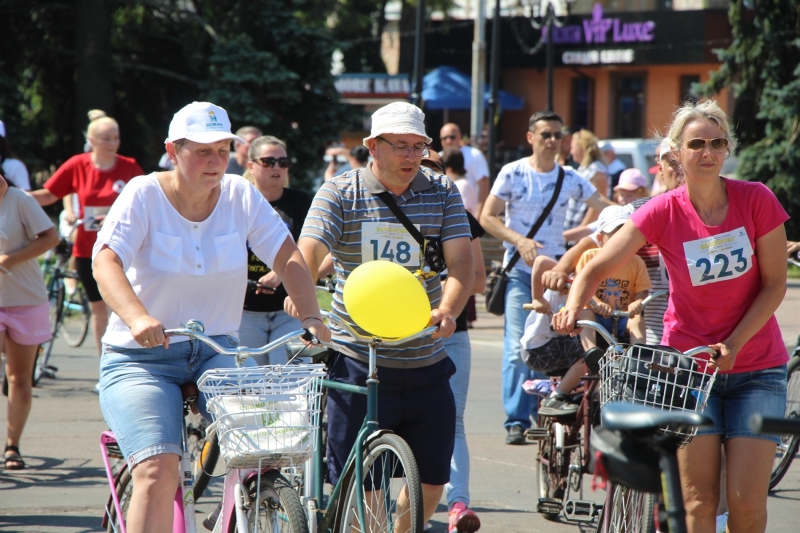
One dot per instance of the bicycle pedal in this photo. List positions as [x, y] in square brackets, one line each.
[51, 367]
[48, 373]
[580, 510]
[548, 506]
[536, 434]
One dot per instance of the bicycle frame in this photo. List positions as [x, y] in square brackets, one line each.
[368, 429]
[233, 501]
[183, 519]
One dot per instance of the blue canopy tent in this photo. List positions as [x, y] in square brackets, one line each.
[448, 88]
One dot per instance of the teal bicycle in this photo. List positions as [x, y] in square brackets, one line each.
[379, 489]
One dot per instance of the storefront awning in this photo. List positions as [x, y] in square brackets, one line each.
[449, 88]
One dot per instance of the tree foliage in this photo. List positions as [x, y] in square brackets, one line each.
[762, 67]
[267, 62]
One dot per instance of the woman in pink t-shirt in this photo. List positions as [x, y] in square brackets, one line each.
[723, 243]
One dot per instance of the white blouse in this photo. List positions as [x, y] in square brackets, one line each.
[181, 269]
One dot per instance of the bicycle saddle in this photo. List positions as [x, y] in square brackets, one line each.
[622, 416]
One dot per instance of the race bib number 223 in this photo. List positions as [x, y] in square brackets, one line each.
[718, 258]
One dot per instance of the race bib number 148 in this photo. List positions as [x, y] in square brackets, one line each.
[719, 258]
[384, 241]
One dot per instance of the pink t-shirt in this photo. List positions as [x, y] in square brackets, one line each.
[713, 271]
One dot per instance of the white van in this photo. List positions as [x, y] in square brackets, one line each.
[636, 153]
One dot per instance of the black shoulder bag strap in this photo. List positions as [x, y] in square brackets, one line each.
[388, 199]
[542, 217]
[430, 250]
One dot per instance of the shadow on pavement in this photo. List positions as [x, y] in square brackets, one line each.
[50, 472]
[45, 523]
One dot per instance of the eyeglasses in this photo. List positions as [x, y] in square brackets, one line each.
[419, 151]
[269, 162]
[718, 144]
[557, 135]
[448, 137]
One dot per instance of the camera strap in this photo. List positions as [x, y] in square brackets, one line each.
[388, 199]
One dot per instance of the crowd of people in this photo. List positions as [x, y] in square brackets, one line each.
[145, 243]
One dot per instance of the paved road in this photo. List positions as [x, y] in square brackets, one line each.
[64, 488]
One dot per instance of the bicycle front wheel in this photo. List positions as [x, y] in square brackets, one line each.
[75, 317]
[787, 448]
[277, 507]
[627, 511]
[392, 490]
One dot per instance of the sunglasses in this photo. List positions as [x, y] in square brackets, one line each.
[448, 137]
[557, 135]
[718, 144]
[269, 162]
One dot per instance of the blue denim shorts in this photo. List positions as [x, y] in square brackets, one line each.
[736, 397]
[140, 392]
[622, 325]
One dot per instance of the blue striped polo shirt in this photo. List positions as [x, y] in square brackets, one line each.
[432, 202]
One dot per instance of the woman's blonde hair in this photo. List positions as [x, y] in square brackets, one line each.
[703, 111]
[591, 149]
[98, 117]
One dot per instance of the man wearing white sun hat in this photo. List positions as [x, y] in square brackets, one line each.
[348, 213]
[172, 248]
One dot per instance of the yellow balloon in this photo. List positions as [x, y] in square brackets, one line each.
[386, 300]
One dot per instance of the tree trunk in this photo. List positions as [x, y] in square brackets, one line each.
[93, 77]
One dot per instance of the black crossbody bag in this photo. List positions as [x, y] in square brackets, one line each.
[431, 248]
[497, 279]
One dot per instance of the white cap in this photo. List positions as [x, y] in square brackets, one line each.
[607, 147]
[612, 217]
[664, 148]
[201, 122]
[400, 118]
[2, 129]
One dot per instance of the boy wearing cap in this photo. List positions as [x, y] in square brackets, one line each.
[624, 291]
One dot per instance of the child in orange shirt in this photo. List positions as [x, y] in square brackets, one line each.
[624, 291]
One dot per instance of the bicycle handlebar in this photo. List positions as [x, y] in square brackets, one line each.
[622, 314]
[194, 330]
[375, 339]
[779, 426]
[611, 342]
[794, 260]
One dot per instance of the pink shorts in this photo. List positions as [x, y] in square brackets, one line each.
[27, 324]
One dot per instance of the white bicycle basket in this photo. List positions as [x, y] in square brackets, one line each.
[658, 377]
[264, 416]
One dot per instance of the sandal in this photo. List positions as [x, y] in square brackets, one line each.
[14, 458]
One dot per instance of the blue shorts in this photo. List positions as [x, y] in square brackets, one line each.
[415, 403]
[140, 392]
[736, 397]
[622, 325]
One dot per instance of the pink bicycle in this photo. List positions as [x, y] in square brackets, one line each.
[267, 419]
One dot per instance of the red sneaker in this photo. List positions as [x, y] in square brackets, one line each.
[463, 520]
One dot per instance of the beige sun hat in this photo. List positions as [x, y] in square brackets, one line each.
[399, 118]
